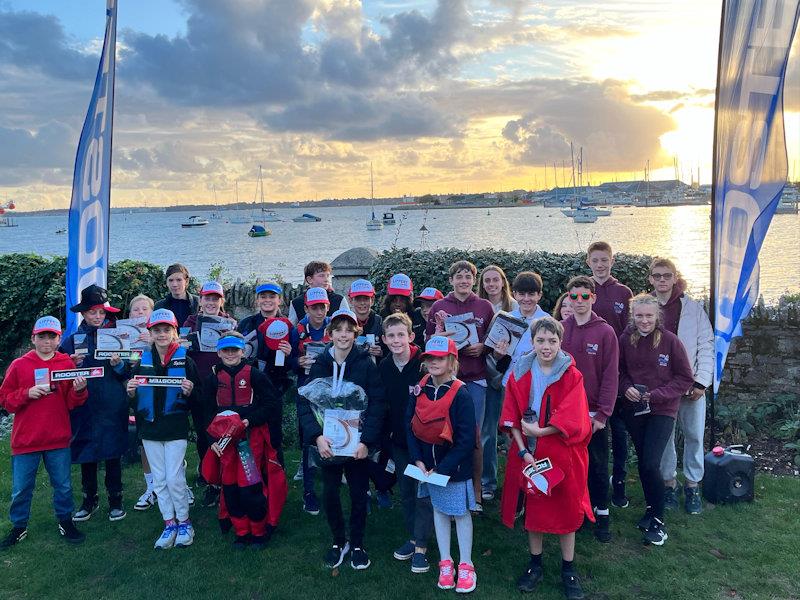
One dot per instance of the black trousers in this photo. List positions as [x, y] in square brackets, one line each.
[113, 477]
[650, 434]
[417, 512]
[199, 422]
[357, 473]
[598, 469]
[619, 442]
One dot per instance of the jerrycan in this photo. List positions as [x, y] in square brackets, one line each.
[729, 475]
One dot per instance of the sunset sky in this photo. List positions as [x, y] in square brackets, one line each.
[441, 95]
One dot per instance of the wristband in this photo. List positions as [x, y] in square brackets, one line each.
[699, 386]
[523, 452]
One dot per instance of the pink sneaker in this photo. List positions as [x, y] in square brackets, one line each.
[446, 577]
[467, 579]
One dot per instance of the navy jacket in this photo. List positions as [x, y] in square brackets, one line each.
[453, 459]
[278, 376]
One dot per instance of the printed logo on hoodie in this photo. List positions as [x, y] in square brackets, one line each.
[663, 360]
[592, 349]
[619, 307]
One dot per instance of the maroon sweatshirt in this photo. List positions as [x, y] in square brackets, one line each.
[665, 370]
[595, 348]
[612, 303]
[471, 368]
[203, 360]
[671, 311]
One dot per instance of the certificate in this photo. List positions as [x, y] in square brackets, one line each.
[463, 329]
[505, 328]
[135, 328]
[415, 472]
[340, 426]
[211, 329]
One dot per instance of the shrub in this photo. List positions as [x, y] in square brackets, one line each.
[430, 268]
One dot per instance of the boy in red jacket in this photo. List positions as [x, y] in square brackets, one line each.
[41, 429]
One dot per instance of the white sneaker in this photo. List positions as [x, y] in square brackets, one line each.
[167, 538]
[145, 501]
[185, 535]
[190, 494]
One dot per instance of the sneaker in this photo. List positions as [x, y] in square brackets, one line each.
[240, 542]
[211, 496]
[405, 551]
[602, 529]
[258, 542]
[644, 522]
[530, 579]
[71, 534]
[335, 555]
[655, 534]
[167, 538]
[419, 563]
[145, 501]
[467, 579]
[359, 559]
[185, 535]
[310, 503]
[115, 510]
[618, 497]
[572, 585]
[487, 495]
[15, 536]
[670, 498]
[478, 510]
[446, 577]
[384, 499]
[189, 494]
[692, 503]
[87, 509]
[299, 475]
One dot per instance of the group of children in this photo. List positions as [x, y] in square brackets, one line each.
[432, 409]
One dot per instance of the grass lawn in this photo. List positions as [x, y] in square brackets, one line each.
[750, 551]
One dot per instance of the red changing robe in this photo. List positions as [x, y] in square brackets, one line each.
[564, 510]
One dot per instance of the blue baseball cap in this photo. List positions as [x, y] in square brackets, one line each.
[212, 287]
[47, 323]
[269, 286]
[230, 341]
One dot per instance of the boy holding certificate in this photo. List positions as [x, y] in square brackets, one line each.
[344, 362]
[41, 429]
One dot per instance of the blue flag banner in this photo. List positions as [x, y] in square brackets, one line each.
[749, 154]
[90, 208]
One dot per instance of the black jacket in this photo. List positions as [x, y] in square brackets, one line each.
[299, 304]
[399, 391]
[266, 406]
[167, 302]
[453, 459]
[279, 376]
[417, 326]
[361, 370]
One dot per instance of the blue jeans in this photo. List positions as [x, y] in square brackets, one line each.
[494, 403]
[23, 480]
[478, 395]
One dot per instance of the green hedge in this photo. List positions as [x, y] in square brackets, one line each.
[33, 286]
[430, 268]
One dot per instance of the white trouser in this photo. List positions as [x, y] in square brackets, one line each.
[169, 477]
[692, 419]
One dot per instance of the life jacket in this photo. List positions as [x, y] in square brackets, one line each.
[234, 391]
[431, 420]
[174, 401]
[304, 336]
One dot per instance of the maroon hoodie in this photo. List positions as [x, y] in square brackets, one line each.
[471, 368]
[204, 360]
[612, 303]
[665, 370]
[595, 348]
[671, 310]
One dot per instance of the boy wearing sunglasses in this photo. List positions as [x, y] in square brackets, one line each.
[594, 346]
[687, 319]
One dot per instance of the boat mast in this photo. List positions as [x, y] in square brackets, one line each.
[371, 191]
[261, 181]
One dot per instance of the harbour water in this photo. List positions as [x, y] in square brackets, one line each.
[681, 233]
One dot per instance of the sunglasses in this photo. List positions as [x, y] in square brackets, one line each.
[584, 296]
[664, 276]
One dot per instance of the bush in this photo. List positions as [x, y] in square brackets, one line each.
[430, 268]
[34, 286]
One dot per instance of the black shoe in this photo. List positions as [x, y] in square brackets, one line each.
[225, 525]
[618, 497]
[602, 530]
[530, 579]
[15, 536]
[359, 559]
[585, 526]
[335, 555]
[644, 522]
[240, 542]
[89, 506]
[268, 531]
[655, 534]
[572, 585]
[670, 498]
[211, 496]
[70, 532]
[115, 510]
[258, 542]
